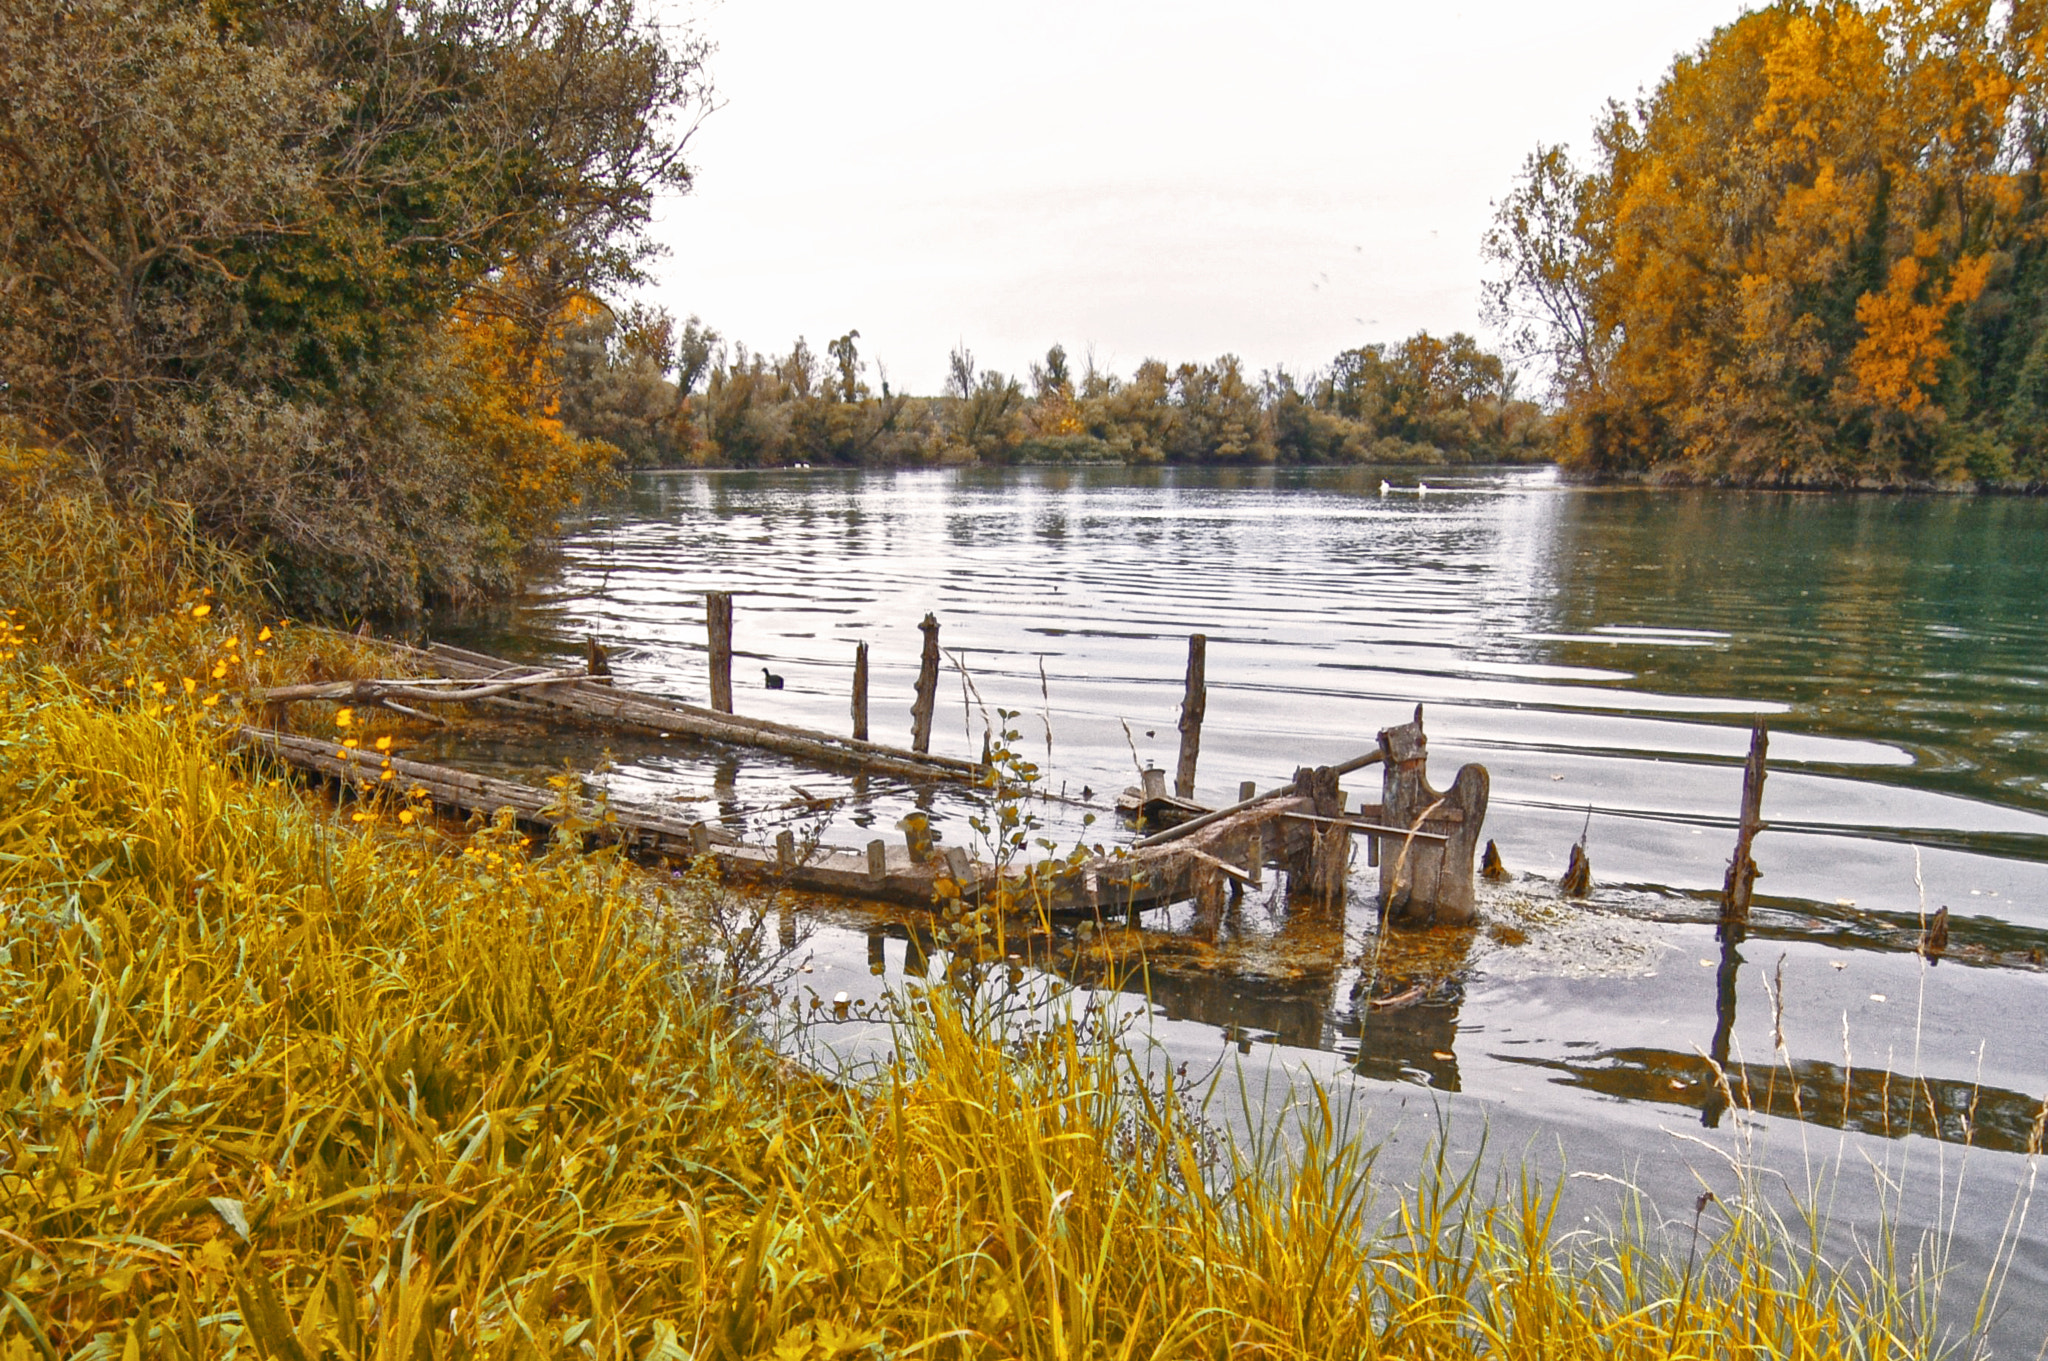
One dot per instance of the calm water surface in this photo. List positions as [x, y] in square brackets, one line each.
[1601, 652]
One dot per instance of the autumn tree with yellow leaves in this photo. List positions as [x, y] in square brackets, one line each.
[1814, 254]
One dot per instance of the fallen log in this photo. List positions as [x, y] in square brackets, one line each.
[615, 706]
[548, 693]
[894, 876]
[465, 792]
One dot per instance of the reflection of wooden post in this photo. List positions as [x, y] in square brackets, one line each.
[927, 687]
[917, 833]
[860, 692]
[1194, 703]
[718, 618]
[1742, 871]
[1428, 882]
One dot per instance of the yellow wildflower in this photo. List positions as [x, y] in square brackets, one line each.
[344, 717]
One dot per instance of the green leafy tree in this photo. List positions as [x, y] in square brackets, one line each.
[247, 250]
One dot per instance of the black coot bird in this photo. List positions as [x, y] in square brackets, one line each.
[774, 681]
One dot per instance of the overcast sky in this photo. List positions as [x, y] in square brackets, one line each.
[1280, 180]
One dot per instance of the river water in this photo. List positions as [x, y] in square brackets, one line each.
[1602, 652]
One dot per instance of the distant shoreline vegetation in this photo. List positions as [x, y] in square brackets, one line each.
[675, 397]
[328, 281]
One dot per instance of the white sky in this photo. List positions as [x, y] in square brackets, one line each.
[1280, 180]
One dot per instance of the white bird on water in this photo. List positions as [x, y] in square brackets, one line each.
[1385, 486]
[1422, 488]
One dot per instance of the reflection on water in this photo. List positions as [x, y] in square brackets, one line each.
[1601, 652]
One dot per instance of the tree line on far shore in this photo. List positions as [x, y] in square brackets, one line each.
[669, 395]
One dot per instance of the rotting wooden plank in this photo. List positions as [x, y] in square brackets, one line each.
[467, 792]
[618, 706]
[902, 879]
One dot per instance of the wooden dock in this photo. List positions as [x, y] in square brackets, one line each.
[1421, 839]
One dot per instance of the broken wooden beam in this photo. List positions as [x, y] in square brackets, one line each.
[620, 707]
[1194, 825]
[364, 769]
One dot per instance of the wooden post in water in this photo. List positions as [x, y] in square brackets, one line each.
[927, 688]
[718, 619]
[1742, 871]
[1194, 703]
[1311, 858]
[860, 692]
[1424, 883]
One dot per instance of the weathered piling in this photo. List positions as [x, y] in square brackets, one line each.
[1742, 871]
[1427, 881]
[927, 687]
[860, 692]
[718, 620]
[1309, 854]
[1193, 705]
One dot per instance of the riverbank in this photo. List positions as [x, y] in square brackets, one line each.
[330, 1080]
[313, 1080]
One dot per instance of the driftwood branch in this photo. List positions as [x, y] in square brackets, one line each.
[428, 690]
